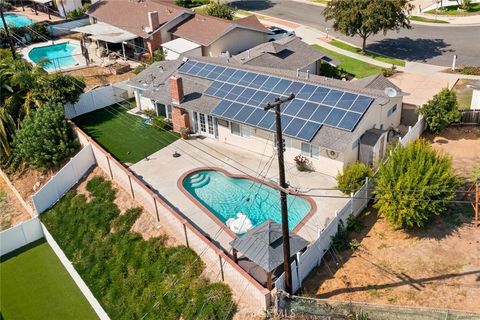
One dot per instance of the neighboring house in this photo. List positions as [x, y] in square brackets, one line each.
[325, 122]
[289, 53]
[62, 6]
[140, 26]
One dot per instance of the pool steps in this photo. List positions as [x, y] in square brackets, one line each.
[199, 180]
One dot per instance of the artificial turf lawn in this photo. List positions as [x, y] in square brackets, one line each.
[353, 66]
[35, 285]
[345, 46]
[123, 134]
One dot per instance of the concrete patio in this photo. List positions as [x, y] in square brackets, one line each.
[162, 171]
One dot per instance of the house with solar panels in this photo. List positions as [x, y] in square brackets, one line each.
[329, 121]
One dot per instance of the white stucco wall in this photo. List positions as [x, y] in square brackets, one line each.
[235, 41]
[142, 102]
[475, 100]
[69, 5]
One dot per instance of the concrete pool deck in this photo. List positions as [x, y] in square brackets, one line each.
[162, 172]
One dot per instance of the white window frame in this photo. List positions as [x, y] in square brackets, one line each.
[243, 131]
[310, 151]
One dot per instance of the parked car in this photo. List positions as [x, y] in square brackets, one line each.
[279, 33]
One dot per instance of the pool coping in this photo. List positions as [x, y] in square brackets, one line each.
[313, 204]
[80, 64]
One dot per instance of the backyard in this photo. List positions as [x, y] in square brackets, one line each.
[123, 134]
[134, 276]
[393, 266]
[353, 66]
[35, 285]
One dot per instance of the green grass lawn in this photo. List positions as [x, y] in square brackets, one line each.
[35, 285]
[122, 134]
[464, 93]
[344, 46]
[356, 67]
[453, 10]
[423, 19]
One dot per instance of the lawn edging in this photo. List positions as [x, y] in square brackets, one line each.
[33, 230]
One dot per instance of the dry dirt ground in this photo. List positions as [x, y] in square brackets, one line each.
[145, 225]
[11, 211]
[438, 267]
[99, 76]
[29, 181]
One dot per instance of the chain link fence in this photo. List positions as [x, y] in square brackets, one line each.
[310, 308]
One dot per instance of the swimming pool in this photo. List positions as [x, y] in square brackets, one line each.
[226, 196]
[57, 56]
[16, 20]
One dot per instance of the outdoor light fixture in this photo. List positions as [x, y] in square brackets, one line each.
[176, 154]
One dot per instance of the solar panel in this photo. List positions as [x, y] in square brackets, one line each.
[244, 94]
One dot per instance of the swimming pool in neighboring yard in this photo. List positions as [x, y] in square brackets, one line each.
[57, 56]
[226, 196]
[16, 20]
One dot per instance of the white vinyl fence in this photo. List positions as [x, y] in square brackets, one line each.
[63, 180]
[20, 235]
[98, 98]
[414, 132]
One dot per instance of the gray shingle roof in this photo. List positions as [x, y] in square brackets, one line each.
[194, 100]
[286, 53]
[264, 245]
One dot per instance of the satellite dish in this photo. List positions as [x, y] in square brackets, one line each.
[390, 92]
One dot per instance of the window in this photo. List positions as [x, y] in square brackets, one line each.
[310, 150]
[355, 144]
[392, 110]
[210, 125]
[239, 129]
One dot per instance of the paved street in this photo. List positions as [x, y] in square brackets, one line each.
[430, 44]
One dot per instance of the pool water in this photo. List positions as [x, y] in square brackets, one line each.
[16, 20]
[225, 197]
[57, 56]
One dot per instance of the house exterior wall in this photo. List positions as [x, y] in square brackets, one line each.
[142, 102]
[374, 118]
[235, 41]
[69, 5]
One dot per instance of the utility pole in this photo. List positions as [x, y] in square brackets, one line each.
[7, 32]
[283, 185]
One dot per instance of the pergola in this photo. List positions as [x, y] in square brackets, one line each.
[109, 34]
[262, 249]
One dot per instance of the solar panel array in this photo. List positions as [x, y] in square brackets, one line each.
[243, 95]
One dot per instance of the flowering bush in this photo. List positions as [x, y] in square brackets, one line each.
[302, 162]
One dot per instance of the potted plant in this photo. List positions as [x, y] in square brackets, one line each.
[184, 132]
[302, 163]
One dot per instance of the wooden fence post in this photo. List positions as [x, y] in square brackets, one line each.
[156, 209]
[109, 167]
[221, 267]
[131, 187]
[186, 236]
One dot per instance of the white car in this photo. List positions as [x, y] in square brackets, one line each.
[279, 33]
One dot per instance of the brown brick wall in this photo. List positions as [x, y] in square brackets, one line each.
[176, 89]
[180, 119]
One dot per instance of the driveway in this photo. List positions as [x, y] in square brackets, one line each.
[430, 44]
[162, 171]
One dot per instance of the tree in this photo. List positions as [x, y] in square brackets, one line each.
[414, 185]
[220, 10]
[365, 18]
[353, 177]
[45, 138]
[441, 110]
[58, 87]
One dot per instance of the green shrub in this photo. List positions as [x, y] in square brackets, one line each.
[330, 71]
[131, 277]
[414, 185]
[441, 110]
[162, 123]
[353, 177]
[220, 10]
[45, 139]
[191, 3]
[39, 32]
[78, 12]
